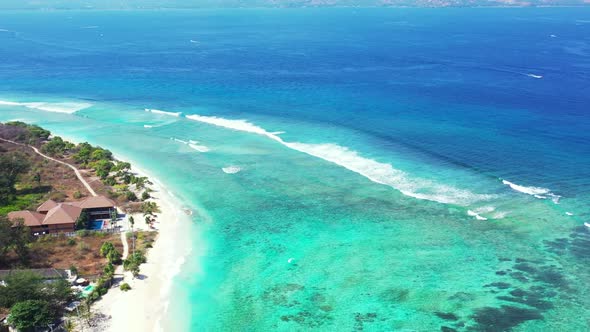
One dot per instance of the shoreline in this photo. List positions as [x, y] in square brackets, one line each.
[145, 306]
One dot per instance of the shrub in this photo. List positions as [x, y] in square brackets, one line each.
[84, 248]
[83, 233]
[77, 194]
[58, 196]
[71, 242]
[125, 287]
[29, 314]
[106, 248]
[130, 196]
[114, 257]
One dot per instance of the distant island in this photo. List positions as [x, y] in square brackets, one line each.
[192, 4]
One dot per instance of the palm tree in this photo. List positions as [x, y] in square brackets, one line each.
[132, 222]
[69, 326]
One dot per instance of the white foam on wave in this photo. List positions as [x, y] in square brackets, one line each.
[178, 140]
[534, 76]
[569, 213]
[231, 169]
[499, 215]
[148, 126]
[485, 209]
[192, 144]
[375, 171]
[200, 148]
[4, 30]
[62, 107]
[150, 110]
[537, 192]
[476, 215]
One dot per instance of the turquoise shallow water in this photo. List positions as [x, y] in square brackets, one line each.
[400, 169]
[296, 242]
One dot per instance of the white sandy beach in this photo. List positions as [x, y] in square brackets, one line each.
[141, 308]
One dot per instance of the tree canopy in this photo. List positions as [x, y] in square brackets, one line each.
[12, 166]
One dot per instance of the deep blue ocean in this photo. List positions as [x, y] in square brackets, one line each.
[425, 168]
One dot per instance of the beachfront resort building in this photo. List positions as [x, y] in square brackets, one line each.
[53, 217]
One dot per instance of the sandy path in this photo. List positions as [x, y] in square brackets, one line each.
[78, 174]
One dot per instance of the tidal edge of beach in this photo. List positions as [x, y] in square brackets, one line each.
[145, 306]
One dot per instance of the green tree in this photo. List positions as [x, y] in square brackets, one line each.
[150, 208]
[133, 262]
[145, 196]
[109, 269]
[99, 153]
[130, 196]
[56, 146]
[58, 293]
[84, 150]
[106, 248]
[37, 178]
[103, 168]
[69, 325]
[21, 238]
[83, 221]
[114, 257]
[20, 286]
[5, 236]
[32, 134]
[27, 315]
[122, 167]
[12, 166]
[73, 269]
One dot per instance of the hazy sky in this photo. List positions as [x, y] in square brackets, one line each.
[117, 4]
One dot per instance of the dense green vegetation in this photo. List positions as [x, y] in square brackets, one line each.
[124, 185]
[12, 166]
[133, 262]
[14, 238]
[33, 301]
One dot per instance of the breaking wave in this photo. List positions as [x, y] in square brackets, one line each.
[537, 192]
[192, 144]
[231, 169]
[375, 171]
[476, 215]
[200, 148]
[177, 114]
[65, 107]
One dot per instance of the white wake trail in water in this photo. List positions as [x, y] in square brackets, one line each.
[375, 171]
